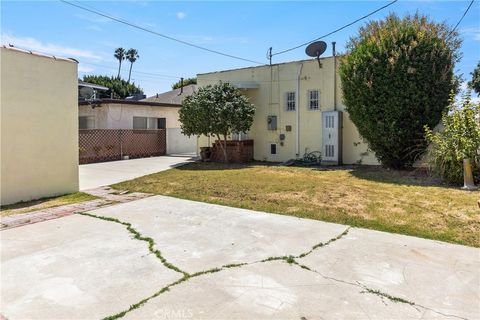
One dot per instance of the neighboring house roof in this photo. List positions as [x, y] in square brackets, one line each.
[99, 102]
[174, 97]
[91, 85]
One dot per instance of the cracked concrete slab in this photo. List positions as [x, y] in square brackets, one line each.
[271, 290]
[76, 267]
[197, 236]
[441, 276]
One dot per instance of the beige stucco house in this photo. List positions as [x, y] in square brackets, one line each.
[39, 126]
[299, 109]
[143, 114]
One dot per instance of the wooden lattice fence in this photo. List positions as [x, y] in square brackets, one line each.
[98, 145]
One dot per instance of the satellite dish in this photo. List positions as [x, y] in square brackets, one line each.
[315, 49]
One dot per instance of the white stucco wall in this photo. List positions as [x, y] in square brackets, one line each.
[39, 126]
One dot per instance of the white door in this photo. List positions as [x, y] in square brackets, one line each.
[331, 136]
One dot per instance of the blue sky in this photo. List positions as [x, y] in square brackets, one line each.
[245, 29]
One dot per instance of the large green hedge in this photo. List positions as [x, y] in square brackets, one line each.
[397, 76]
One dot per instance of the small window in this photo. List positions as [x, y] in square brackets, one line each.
[152, 123]
[149, 123]
[86, 122]
[162, 123]
[140, 122]
[290, 101]
[313, 100]
[273, 148]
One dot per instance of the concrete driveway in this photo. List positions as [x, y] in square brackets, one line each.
[96, 175]
[166, 258]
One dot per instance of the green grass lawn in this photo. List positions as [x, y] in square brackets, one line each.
[44, 203]
[370, 197]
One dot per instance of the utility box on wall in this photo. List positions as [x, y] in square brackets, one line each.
[332, 137]
[272, 122]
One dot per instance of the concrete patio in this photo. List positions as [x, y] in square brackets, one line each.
[96, 175]
[215, 262]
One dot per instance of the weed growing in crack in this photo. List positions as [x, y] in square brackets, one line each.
[323, 244]
[167, 288]
[234, 265]
[138, 236]
[290, 259]
[389, 297]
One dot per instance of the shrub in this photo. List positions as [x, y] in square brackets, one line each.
[396, 78]
[458, 139]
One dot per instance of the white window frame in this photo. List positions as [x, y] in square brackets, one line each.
[313, 103]
[150, 122]
[290, 101]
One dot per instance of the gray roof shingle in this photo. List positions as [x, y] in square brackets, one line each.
[174, 97]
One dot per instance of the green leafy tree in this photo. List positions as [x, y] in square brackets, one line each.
[475, 82]
[216, 110]
[396, 78]
[186, 82]
[120, 56]
[132, 56]
[458, 139]
[119, 88]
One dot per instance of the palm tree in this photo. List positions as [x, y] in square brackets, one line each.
[132, 56]
[120, 56]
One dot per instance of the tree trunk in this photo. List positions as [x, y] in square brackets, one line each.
[119, 67]
[223, 145]
[130, 72]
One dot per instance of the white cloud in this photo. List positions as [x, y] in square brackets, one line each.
[473, 33]
[50, 48]
[181, 15]
[82, 68]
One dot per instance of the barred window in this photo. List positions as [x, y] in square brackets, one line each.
[290, 101]
[313, 100]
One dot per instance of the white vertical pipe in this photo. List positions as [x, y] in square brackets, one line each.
[297, 110]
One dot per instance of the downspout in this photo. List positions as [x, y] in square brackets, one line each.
[334, 77]
[297, 110]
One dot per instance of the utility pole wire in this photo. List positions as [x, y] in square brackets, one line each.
[336, 30]
[463, 16]
[130, 24]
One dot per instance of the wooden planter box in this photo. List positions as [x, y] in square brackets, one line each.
[237, 151]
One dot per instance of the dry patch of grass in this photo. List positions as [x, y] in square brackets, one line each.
[44, 203]
[369, 197]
